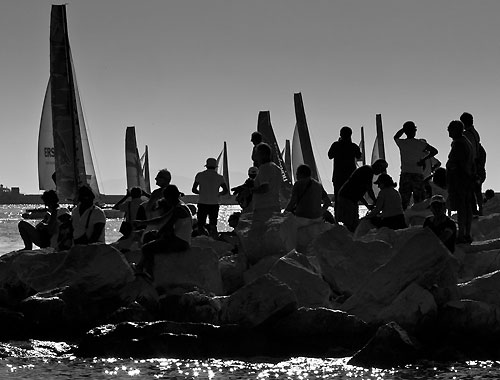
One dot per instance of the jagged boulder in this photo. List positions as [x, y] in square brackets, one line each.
[484, 288]
[221, 248]
[320, 330]
[463, 321]
[422, 260]
[231, 270]
[295, 270]
[486, 227]
[391, 346]
[190, 307]
[196, 268]
[259, 240]
[260, 268]
[264, 300]
[92, 268]
[346, 263]
[479, 263]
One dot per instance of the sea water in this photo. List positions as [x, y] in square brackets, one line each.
[53, 360]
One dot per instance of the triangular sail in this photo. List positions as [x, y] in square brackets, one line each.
[73, 159]
[46, 159]
[265, 128]
[302, 152]
[222, 166]
[378, 151]
[362, 160]
[145, 169]
[135, 176]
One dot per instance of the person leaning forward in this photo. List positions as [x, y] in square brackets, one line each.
[353, 191]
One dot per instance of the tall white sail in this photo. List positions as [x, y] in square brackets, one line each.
[222, 165]
[46, 158]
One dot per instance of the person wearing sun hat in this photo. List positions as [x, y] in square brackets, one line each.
[388, 210]
[442, 225]
[209, 185]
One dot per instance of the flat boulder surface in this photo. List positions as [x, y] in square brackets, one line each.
[486, 227]
[263, 300]
[194, 268]
[295, 270]
[346, 263]
[484, 288]
[92, 268]
[422, 260]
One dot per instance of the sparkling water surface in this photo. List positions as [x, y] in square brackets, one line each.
[53, 360]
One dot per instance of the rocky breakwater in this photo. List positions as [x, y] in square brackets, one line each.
[388, 298]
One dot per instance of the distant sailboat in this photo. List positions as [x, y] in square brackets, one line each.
[222, 167]
[302, 152]
[378, 151]
[137, 172]
[265, 128]
[65, 160]
[362, 160]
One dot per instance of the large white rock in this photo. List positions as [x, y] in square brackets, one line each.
[422, 260]
[263, 300]
[346, 263]
[295, 270]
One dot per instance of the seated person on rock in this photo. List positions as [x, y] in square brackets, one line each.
[65, 229]
[442, 225]
[244, 192]
[388, 210]
[130, 204]
[309, 200]
[173, 236]
[46, 230]
[491, 203]
[88, 219]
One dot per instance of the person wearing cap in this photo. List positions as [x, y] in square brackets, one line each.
[209, 185]
[442, 225]
[388, 210]
[45, 232]
[173, 236]
[414, 153]
[459, 180]
[88, 219]
[344, 154]
[244, 192]
[267, 184]
[353, 191]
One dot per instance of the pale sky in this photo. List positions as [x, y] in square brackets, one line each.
[191, 74]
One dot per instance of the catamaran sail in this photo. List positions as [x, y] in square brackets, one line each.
[265, 128]
[64, 149]
[145, 169]
[222, 167]
[136, 175]
[362, 160]
[378, 151]
[302, 152]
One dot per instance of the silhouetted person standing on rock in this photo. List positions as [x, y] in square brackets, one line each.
[459, 179]
[256, 139]
[344, 154]
[414, 153]
[479, 158]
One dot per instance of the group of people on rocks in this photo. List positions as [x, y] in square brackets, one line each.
[457, 187]
[161, 222]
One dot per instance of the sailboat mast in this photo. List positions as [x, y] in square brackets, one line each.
[380, 136]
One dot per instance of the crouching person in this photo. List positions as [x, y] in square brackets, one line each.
[173, 236]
